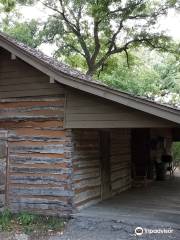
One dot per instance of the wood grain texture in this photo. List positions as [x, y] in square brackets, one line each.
[19, 79]
[86, 167]
[87, 111]
[40, 166]
[120, 160]
[87, 179]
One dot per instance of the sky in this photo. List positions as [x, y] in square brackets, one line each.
[170, 24]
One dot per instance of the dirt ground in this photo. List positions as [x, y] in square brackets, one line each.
[104, 229]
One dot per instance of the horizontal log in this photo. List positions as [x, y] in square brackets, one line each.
[39, 200]
[37, 149]
[39, 124]
[39, 191]
[88, 202]
[18, 159]
[38, 207]
[87, 170]
[94, 182]
[82, 196]
[38, 133]
[85, 176]
[60, 177]
[38, 170]
[43, 180]
[86, 164]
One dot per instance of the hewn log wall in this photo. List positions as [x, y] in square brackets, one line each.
[120, 160]
[39, 167]
[86, 166]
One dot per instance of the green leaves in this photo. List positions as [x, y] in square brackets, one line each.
[26, 2]
[150, 74]
[7, 5]
[92, 35]
[27, 32]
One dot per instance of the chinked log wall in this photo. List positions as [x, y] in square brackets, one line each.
[39, 167]
[86, 166]
[87, 169]
[120, 160]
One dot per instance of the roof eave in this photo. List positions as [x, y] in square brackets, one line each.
[92, 87]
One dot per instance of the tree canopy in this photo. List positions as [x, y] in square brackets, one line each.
[26, 32]
[95, 30]
[103, 38]
[7, 5]
[149, 74]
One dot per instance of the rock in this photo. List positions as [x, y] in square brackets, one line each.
[21, 237]
[116, 227]
[118, 221]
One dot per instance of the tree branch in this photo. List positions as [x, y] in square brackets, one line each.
[96, 42]
[127, 57]
[119, 50]
[75, 29]
[113, 39]
[74, 49]
[127, 8]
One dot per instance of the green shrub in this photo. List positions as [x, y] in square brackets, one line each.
[26, 218]
[176, 152]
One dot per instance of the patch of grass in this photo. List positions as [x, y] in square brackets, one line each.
[54, 223]
[5, 220]
[26, 218]
[30, 223]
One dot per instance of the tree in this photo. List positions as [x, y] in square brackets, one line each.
[26, 32]
[95, 30]
[150, 74]
[7, 5]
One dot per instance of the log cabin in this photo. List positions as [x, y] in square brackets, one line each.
[68, 141]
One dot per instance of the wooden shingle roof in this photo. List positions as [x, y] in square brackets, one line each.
[75, 79]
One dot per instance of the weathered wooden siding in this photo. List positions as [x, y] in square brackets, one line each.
[86, 167]
[120, 160]
[18, 79]
[39, 165]
[87, 111]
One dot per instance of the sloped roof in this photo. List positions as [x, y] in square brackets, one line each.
[74, 78]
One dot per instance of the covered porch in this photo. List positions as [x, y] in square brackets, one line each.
[115, 143]
[157, 202]
[120, 165]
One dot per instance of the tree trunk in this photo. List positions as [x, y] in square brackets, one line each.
[91, 71]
